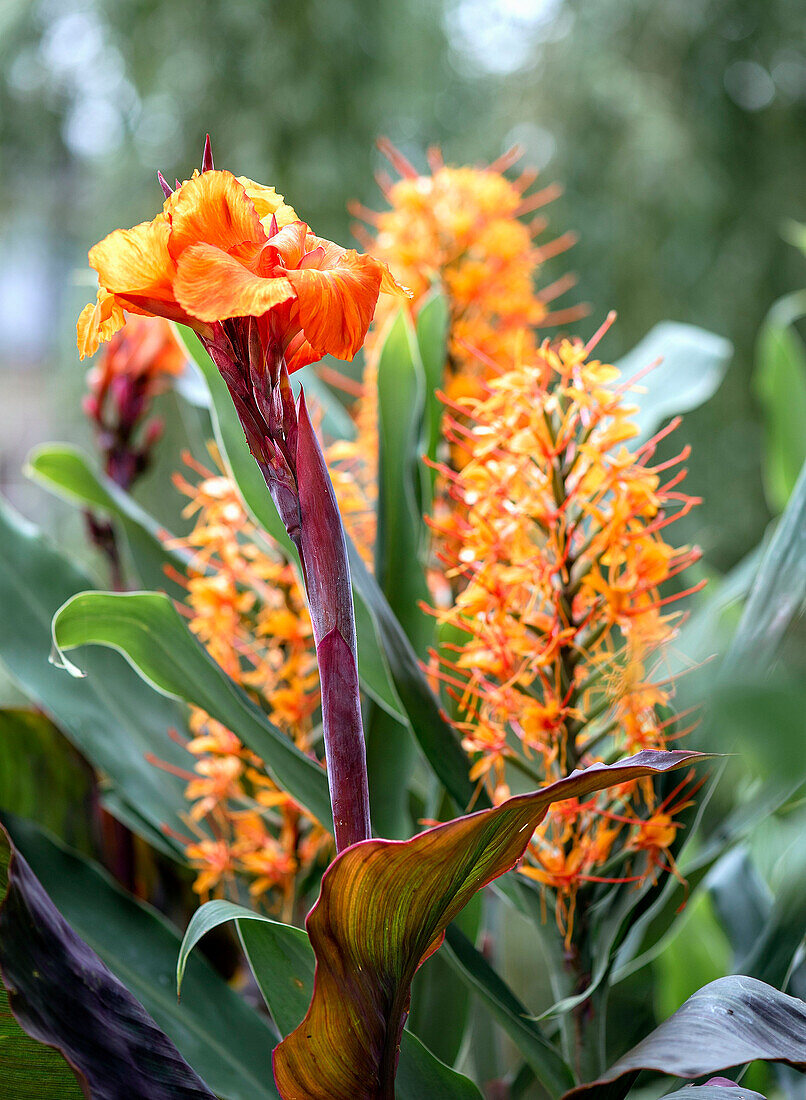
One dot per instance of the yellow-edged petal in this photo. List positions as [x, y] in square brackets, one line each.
[214, 209]
[98, 322]
[268, 203]
[136, 261]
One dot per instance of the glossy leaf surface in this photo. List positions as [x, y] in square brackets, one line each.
[63, 995]
[283, 961]
[383, 909]
[729, 1022]
[214, 1029]
[111, 716]
[149, 631]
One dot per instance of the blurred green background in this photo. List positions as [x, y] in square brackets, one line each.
[676, 128]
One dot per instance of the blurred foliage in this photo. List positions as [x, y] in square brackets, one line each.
[675, 128]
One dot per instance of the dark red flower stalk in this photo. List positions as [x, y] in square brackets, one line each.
[231, 259]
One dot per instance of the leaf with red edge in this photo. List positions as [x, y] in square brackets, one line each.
[383, 910]
[64, 996]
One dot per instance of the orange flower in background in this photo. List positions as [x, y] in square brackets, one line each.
[225, 247]
[470, 231]
[246, 607]
[555, 549]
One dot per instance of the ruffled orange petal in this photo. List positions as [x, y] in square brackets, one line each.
[290, 243]
[334, 252]
[98, 322]
[214, 209]
[336, 305]
[212, 285]
[136, 261]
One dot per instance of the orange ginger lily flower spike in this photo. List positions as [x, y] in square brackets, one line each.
[229, 258]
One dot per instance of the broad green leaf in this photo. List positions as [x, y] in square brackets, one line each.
[543, 1058]
[433, 320]
[148, 630]
[401, 529]
[69, 472]
[224, 1040]
[111, 716]
[282, 961]
[693, 363]
[62, 994]
[42, 776]
[31, 1070]
[372, 668]
[780, 383]
[727, 1023]
[778, 592]
[383, 909]
[391, 751]
[387, 663]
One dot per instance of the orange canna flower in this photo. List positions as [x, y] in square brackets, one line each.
[226, 247]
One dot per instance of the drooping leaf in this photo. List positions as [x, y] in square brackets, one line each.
[63, 995]
[282, 961]
[372, 667]
[778, 592]
[693, 364]
[32, 1070]
[111, 716]
[780, 382]
[729, 1022]
[387, 664]
[149, 631]
[382, 911]
[69, 472]
[212, 1026]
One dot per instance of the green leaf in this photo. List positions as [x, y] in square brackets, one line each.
[433, 320]
[112, 717]
[62, 994]
[382, 910]
[225, 1040]
[778, 591]
[282, 961]
[148, 630]
[729, 1022]
[401, 530]
[693, 363]
[68, 471]
[32, 1070]
[42, 776]
[780, 383]
[391, 751]
[544, 1059]
[372, 668]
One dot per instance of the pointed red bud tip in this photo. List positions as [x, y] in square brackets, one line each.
[167, 190]
[207, 156]
[273, 228]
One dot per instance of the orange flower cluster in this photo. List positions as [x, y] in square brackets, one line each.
[245, 605]
[462, 229]
[555, 546]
